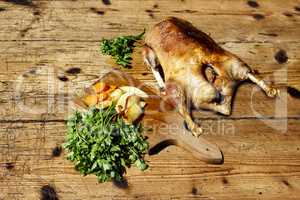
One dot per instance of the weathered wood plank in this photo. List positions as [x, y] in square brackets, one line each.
[33, 78]
[259, 162]
[261, 151]
[38, 69]
[91, 20]
[34, 98]
[34, 103]
[19, 57]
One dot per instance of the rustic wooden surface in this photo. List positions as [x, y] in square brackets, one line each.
[41, 39]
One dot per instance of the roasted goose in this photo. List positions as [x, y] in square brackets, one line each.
[196, 69]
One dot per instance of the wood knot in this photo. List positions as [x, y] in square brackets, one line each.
[106, 2]
[63, 78]
[9, 165]
[73, 70]
[99, 12]
[56, 151]
[258, 16]
[253, 4]
[281, 56]
[224, 181]
[48, 193]
[194, 191]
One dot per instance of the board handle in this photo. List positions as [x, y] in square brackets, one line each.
[199, 147]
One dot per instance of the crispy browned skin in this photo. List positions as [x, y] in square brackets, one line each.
[196, 69]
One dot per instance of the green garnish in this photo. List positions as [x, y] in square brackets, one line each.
[100, 143]
[120, 48]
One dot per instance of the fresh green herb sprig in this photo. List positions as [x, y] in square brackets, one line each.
[120, 48]
[100, 143]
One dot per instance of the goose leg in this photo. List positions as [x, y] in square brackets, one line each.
[177, 97]
[269, 90]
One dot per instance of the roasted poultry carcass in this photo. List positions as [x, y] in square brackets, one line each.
[196, 69]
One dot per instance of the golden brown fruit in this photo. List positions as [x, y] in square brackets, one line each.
[100, 87]
[90, 100]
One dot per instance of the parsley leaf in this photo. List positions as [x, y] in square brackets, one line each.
[120, 48]
[99, 142]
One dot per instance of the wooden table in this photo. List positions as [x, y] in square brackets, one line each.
[41, 40]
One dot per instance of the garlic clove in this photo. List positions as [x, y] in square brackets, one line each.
[134, 91]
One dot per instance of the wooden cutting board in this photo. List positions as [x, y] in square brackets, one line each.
[164, 124]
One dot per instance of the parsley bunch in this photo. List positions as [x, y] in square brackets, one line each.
[100, 143]
[120, 48]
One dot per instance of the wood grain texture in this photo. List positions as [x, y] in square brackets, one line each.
[41, 39]
[257, 160]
